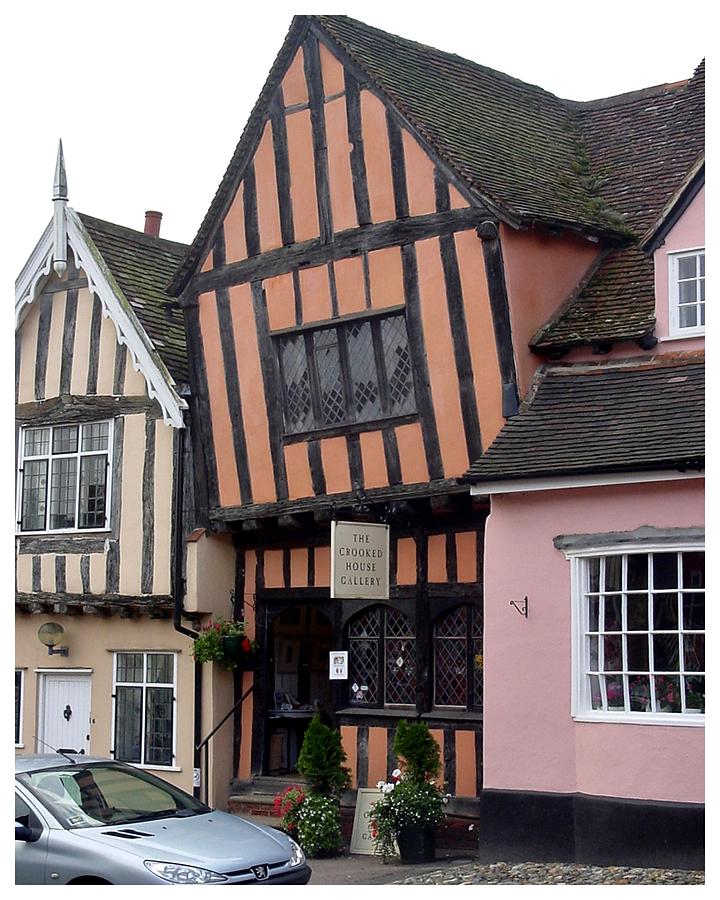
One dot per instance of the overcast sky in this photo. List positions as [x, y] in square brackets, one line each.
[151, 97]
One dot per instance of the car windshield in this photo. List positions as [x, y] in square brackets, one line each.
[108, 794]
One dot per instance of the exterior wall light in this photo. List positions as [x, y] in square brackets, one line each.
[51, 634]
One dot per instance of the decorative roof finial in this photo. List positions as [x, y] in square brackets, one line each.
[60, 196]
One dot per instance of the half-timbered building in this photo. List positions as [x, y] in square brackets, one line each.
[101, 411]
[395, 227]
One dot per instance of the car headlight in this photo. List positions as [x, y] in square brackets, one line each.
[297, 857]
[179, 874]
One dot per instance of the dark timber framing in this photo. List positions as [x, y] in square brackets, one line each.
[397, 165]
[313, 76]
[68, 341]
[252, 232]
[273, 391]
[357, 153]
[43, 340]
[112, 559]
[495, 272]
[282, 166]
[94, 358]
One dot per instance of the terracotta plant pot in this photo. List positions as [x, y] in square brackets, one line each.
[417, 845]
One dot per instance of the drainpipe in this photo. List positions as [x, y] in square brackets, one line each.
[178, 583]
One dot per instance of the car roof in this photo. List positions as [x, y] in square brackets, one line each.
[37, 761]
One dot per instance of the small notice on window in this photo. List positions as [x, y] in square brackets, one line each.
[338, 665]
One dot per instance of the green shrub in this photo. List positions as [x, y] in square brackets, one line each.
[321, 759]
[318, 828]
[417, 751]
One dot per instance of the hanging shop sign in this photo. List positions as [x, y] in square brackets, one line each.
[359, 561]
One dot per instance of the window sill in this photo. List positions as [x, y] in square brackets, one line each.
[672, 719]
[682, 336]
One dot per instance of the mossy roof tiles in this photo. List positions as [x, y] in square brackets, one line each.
[143, 265]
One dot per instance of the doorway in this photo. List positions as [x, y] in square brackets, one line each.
[64, 712]
[300, 641]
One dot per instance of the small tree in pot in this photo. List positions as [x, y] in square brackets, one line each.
[412, 803]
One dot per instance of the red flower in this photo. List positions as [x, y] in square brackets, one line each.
[246, 645]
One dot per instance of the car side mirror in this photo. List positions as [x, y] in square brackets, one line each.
[26, 833]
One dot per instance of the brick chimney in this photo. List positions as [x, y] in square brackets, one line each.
[152, 222]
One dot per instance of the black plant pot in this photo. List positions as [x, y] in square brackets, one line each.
[416, 845]
[233, 652]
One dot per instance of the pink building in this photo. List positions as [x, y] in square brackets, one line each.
[594, 551]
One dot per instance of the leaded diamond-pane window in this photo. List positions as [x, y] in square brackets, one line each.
[381, 644]
[63, 477]
[458, 659]
[358, 370]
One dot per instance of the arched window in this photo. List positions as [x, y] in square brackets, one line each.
[381, 645]
[458, 658]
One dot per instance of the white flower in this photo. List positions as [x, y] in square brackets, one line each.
[386, 788]
[396, 773]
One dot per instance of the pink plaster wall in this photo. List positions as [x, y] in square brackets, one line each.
[531, 741]
[688, 234]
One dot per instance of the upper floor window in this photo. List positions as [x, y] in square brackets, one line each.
[640, 636]
[351, 372]
[63, 477]
[687, 293]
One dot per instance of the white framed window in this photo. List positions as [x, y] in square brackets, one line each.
[19, 701]
[144, 699]
[64, 477]
[687, 292]
[639, 635]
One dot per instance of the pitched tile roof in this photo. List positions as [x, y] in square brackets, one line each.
[642, 146]
[626, 416]
[142, 266]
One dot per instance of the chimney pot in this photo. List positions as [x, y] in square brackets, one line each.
[152, 222]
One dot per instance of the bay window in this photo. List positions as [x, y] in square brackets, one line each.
[640, 636]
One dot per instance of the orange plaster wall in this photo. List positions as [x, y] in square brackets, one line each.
[457, 201]
[440, 354]
[373, 459]
[465, 764]
[420, 174]
[335, 465]
[255, 418]
[297, 468]
[208, 264]
[322, 566]
[247, 721]
[302, 175]
[541, 271]
[280, 298]
[377, 158]
[406, 561]
[228, 484]
[294, 86]
[437, 558]
[411, 451]
[386, 278]
[332, 72]
[274, 569]
[267, 195]
[377, 755]
[234, 225]
[466, 549]
[299, 567]
[483, 349]
[315, 292]
[350, 285]
[348, 734]
[342, 198]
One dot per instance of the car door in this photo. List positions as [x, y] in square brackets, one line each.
[30, 857]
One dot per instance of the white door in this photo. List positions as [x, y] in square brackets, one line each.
[64, 713]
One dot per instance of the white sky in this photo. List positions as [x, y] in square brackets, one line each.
[150, 98]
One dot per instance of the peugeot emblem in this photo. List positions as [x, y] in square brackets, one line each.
[260, 872]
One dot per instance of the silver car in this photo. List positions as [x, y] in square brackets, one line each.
[82, 820]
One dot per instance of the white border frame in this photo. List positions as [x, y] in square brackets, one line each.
[579, 709]
[675, 331]
[142, 765]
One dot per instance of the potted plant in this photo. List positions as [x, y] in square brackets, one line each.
[412, 804]
[226, 643]
[287, 805]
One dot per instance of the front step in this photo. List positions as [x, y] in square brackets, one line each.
[254, 798]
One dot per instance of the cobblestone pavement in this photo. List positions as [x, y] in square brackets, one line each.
[550, 873]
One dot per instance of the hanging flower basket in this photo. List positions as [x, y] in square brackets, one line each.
[227, 644]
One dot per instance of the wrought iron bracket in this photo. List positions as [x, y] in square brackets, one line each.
[521, 606]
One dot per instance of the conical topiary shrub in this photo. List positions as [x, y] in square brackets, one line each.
[321, 759]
